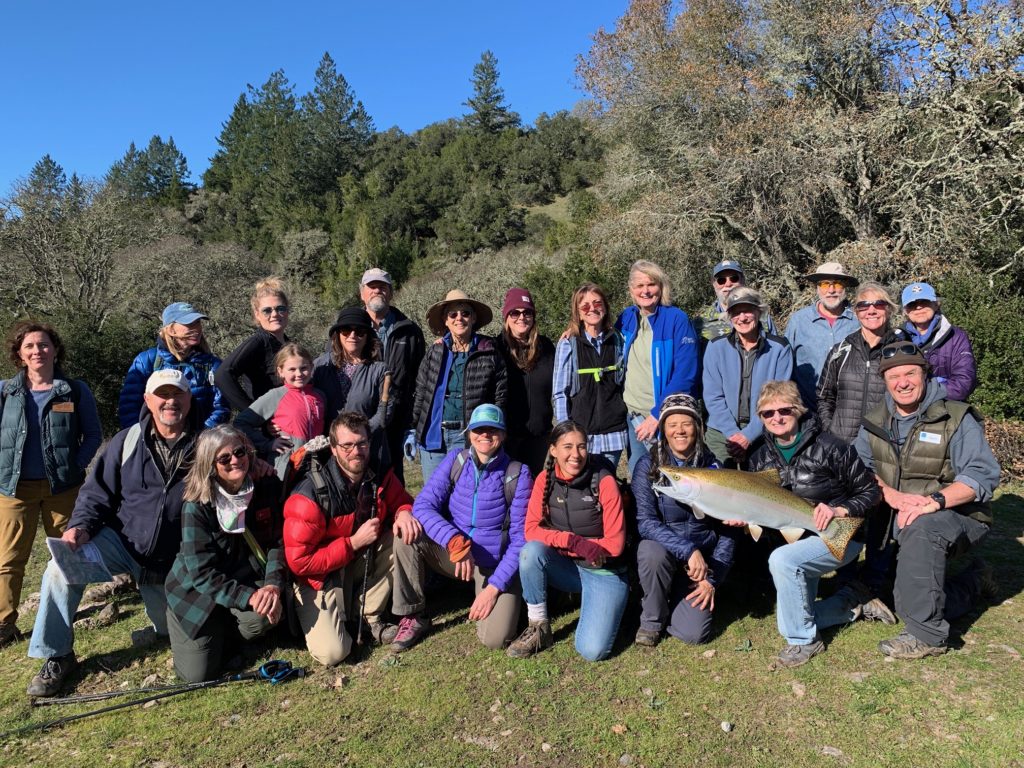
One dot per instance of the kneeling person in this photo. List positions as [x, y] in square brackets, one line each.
[473, 511]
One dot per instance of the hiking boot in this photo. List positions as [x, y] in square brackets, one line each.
[648, 638]
[906, 646]
[382, 632]
[876, 610]
[51, 677]
[797, 655]
[536, 637]
[411, 630]
[9, 633]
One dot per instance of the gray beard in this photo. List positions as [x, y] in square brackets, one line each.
[377, 305]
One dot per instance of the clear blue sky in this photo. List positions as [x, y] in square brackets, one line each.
[83, 80]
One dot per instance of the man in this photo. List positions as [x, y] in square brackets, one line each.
[937, 473]
[403, 347]
[473, 511]
[714, 320]
[735, 368]
[130, 508]
[814, 330]
[339, 528]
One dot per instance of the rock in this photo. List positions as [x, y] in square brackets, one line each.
[626, 759]
[857, 677]
[143, 638]
[831, 751]
[1008, 649]
[286, 704]
[648, 692]
[498, 719]
[620, 728]
[727, 726]
[799, 689]
[150, 704]
[545, 747]
[495, 706]
[506, 732]
[100, 592]
[104, 618]
[149, 680]
[340, 681]
[709, 654]
[30, 603]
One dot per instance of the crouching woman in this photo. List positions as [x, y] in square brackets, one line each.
[575, 533]
[227, 579]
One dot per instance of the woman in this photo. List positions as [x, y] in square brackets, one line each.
[529, 361]
[252, 361]
[228, 576]
[850, 383]
[49, 432]
[588, 375]
[946, 347]
[461, 370]
[681, 560]
[825, 471]
[181, 345]
[353, 378]
[575, 533]
[665, 360]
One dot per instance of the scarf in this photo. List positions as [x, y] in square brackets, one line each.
[231, 507]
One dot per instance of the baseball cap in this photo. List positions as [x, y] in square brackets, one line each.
[486, 415]
[181, 312]
[166, 377]
[375, 275]
[918, 292]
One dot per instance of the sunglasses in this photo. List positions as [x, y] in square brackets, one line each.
[592, 305]
[268, 311]
[225, 458]
[723, 279]
[528, 314]
[905, 348]
[767, 413]
[863, 306]
[916, 304]
[826, 284]
[348, 330]
[454, 314]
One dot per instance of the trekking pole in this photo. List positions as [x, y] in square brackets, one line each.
[367, 568]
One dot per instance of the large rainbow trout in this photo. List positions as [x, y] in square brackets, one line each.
[757, 499]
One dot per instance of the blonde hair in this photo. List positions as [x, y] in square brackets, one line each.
[872, 287]
[201, 481]
[781, 390]
[292, 349]
[179, 351]
[575, 320]
[268, 286]
[657, 274]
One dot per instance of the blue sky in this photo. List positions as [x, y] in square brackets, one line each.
[83, 80]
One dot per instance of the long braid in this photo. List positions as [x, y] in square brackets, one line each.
[549, 469]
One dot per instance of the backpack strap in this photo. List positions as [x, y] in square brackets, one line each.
[131, 440]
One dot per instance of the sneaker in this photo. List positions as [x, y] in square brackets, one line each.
[875, 610]
[411, 630]
[52, 676]
[648, 638]
[382, 632]
[798, 655]
[906, 646]
[536, 637]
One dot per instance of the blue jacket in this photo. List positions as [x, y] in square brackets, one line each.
[812, 338]
[199, 370]
[723, 368]
[674, 351]
[475, 507]
[674, 526]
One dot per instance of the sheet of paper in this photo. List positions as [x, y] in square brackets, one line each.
[80, 566]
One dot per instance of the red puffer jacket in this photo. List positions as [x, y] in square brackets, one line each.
[315, 546]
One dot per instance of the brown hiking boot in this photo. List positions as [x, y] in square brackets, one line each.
[875, 610]
[987, 584]
[51, 677]
[536, 637]
[797, 655]
[906, 646]
[382, 632]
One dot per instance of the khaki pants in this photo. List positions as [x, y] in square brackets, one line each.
[322, 612]
[19, 518]
[411, 560]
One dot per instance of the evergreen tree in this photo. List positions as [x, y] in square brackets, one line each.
[489, 113]
[42, 193]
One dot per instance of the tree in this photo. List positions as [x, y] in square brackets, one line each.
[159, 173]
[489, 112]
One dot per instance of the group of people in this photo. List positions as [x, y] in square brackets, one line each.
[299, 508]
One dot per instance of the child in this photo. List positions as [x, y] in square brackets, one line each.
[292, 414]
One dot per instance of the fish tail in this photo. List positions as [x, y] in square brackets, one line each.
[838, 534]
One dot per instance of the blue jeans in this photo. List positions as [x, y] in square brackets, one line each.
[53, 634]
[604, 595]
[637, 448]
[429, 460]
[796, 569]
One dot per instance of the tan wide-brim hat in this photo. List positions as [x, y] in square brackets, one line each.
[832, 269]
[436, 314]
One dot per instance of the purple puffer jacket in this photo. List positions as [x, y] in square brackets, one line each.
[951, 358]
[476, 509]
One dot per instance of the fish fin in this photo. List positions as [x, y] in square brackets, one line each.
[698, 513]
[792, 535]
[771, 475]
[838, 534]
[755, 531]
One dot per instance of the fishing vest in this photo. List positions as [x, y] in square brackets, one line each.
[575, 506]
[60, 435]
[923, 466]
[598, 406]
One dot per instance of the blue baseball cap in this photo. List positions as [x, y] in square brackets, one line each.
[181, 312]
[487, 415]
[726, 265]
[918, 292]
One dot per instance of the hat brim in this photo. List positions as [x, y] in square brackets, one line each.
[848, 279]
[338, 326]
[479, 424]
[436, 315]
[189, 318]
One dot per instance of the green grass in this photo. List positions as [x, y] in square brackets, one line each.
[451, 702]
[557, 209]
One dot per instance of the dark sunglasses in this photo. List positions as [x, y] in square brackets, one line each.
[769, 412]
[281, 309]
[456, 313]
[906, 348]
[595, 305]
[348, 330]
[862, 306]
[238, 453]
[527, 313]
[916, 304]
[723, 279]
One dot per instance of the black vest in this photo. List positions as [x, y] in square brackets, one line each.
[573, 505]
[598, 406]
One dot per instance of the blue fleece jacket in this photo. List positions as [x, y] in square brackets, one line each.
[674, 350]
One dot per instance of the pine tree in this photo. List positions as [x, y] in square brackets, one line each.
[489, 113]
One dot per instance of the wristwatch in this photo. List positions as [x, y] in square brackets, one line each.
[938, 498]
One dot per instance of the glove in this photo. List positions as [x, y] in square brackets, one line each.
[458, 547]
[409, 447]
[587, 550]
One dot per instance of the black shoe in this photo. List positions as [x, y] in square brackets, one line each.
[51, 677]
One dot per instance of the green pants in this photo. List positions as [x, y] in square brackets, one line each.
[199, 658]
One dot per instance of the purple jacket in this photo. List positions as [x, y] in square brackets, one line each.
[475, 507]
[948, 352]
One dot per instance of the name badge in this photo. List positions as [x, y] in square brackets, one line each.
[930, 437]
[63, 408]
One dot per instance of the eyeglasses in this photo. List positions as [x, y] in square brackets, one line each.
[906, 348]
[826, 284]
[864, 306]
[268, 311]
[526, 314]
[723, 279]
[348, 330]
[360, 446]
[225, 458]
[767, 413]
[596, 305]
[454, 314]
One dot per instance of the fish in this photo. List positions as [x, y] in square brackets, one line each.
[756, 498]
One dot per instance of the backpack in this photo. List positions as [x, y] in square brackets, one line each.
[508, 484]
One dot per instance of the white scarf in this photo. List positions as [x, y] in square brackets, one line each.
[231, 507]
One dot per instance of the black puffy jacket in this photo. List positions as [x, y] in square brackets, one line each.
[824, 469]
